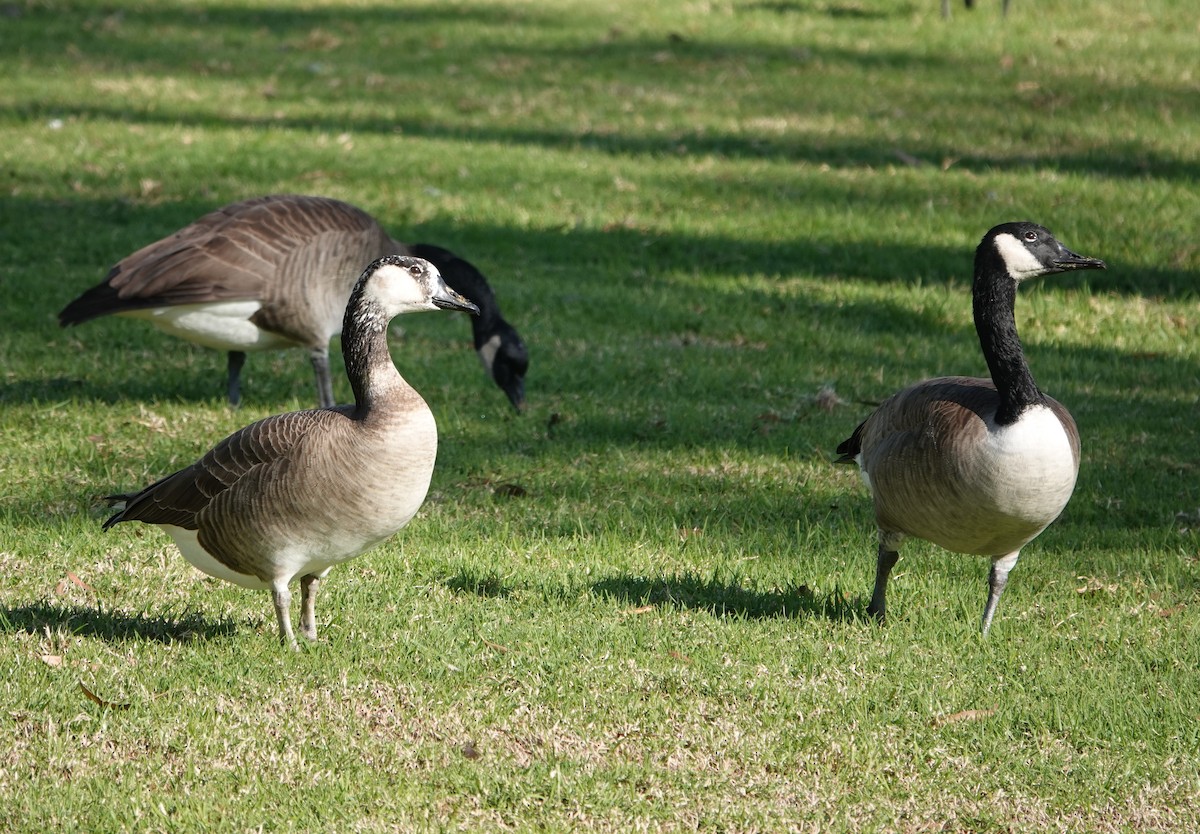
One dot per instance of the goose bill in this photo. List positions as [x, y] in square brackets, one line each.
[1069, 260]
[450, 300]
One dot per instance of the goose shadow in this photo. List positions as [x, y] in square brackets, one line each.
[688, 591]
[39, 617]
[694, 592]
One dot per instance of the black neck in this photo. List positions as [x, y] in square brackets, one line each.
[365, 349]
[994, 297]
[465, 279]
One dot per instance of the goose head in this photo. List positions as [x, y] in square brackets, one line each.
[1026, 250]
[396, 284]
[500, 349]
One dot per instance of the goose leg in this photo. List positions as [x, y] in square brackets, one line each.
[237, 358]
[997, 579]
[282, 598]
[309, 584]
[887, 558]
[320, 363]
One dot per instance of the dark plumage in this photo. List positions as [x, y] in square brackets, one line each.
[275, 272]
[977, 466]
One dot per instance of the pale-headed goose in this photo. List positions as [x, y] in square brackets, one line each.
[275, 272]
[977, 466]
[295, 494]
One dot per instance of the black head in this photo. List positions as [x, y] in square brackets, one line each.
[497, 342]
[505, 358]
[1026, 250]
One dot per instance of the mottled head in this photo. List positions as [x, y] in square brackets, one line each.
[396, 284]
[1026, 250]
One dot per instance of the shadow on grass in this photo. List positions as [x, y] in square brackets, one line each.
[39, 617]
[689, 591]
[489, 585]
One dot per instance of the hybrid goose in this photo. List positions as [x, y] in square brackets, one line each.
[275, 272]
[295, 494]
[978, 466]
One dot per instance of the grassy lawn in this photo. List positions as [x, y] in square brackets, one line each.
[725, 229]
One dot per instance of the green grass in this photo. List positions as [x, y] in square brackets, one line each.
[639, 606]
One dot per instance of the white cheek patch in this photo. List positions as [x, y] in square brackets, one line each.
[487, 352]
[395, 290]
[1020, 262]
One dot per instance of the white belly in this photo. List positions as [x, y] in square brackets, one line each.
[189, 545]
[222, 325]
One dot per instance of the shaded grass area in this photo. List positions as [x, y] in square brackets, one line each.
[725, 230]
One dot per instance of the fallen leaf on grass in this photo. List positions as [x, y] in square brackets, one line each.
[680, 656]
[61, 587]
[75, 580]
[1172, 611]
[470, 751]
[96, 699]
[54, 660]
[641, 609]
[963, 715]
[496, 646]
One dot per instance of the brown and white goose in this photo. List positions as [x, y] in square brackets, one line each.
[977, 466]
[295, 494]
[275, 272]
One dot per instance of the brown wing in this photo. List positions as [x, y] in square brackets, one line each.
[240, 251]
[254, 451]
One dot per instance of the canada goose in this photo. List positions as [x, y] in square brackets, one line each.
[295, 494]
[977, 466]
[275, 272]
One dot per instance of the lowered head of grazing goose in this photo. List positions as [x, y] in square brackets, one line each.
[978, 466]
[294, 494]
[275, 272]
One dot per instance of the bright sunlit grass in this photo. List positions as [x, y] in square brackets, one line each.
[725, 230]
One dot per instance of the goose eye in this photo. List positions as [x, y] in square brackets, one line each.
[1031, 236]
[414, 271]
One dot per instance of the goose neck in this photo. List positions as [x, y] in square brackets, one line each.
[369, 364]
[994, 302]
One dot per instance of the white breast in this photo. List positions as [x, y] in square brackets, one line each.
[1030, 465]
[221, 325]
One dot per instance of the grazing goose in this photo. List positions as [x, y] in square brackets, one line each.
[977, 466]
[295, 494]
[275, 272]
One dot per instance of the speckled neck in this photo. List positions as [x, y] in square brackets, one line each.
[369, 364]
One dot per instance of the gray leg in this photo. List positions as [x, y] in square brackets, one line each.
[236, 359]
[946, 8]
[320, 363]
[997, 579]
[883, 568]
[309, 584]
[282, 598]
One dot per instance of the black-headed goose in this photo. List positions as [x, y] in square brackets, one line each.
[275, 272]
[977, 466]
[295, 494]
